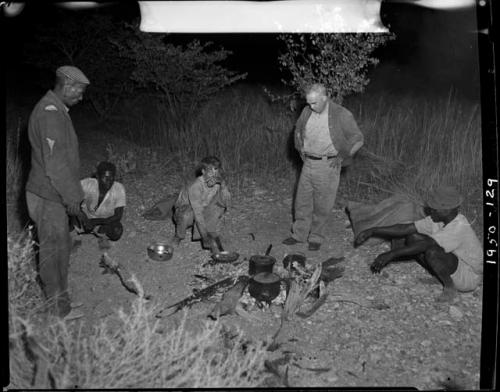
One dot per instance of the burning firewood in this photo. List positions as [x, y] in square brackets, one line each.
[229, 301]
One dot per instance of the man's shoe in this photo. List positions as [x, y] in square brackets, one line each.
[290, 241]
[73, 315]
[314, 246]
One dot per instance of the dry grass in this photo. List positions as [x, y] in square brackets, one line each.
[131, 350]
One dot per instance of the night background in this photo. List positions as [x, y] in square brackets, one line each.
[420, 114]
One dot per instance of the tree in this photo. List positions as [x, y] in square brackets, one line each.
[182, 77]
[340, 61]
[84, 40]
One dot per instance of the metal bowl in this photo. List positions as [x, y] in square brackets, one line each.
[160, 251]
[225, 256]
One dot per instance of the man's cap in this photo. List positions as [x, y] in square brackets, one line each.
[444, 197]
[73, 73]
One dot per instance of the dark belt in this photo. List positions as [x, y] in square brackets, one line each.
[319, 158]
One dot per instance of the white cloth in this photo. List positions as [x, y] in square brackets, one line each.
[114, 198]
[459, 238]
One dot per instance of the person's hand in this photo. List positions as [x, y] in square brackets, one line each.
[380, 262]
[74, 209]
[88, 225]
[362, 237]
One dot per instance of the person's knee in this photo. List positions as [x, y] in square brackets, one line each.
[434, 252]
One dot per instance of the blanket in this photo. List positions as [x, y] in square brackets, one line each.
[162, 210]
[396, 209]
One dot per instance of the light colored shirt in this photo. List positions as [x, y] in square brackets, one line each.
[456, 237]
[317, 140]
[114, 198]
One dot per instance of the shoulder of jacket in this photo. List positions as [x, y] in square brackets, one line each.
[50, 108]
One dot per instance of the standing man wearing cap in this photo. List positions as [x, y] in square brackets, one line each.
[53, 190]
[326, 136]
[443, 243]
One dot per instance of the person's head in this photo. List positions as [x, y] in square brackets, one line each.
[443, 203]
[70, 84]
[316, 97]
[105, 174]
[210, 170]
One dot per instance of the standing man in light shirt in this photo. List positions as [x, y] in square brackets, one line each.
[326, 136]
[53, 190]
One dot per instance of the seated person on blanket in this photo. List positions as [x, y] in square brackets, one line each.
[443, 243]
[103, 204]
[201, 204]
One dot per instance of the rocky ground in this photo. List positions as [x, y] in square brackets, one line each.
[408, 340]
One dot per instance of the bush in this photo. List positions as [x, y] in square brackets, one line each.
[413, 144]
[339, 61]
[181, 77]
[85, 40]
[131, 350]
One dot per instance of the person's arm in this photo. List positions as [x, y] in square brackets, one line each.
[195, 193]
[353, 135]
[299, 125]
[409, 250]
[394, 231]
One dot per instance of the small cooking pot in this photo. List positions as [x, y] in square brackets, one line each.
[264, 286]
[259, 263]
[160, 251]
[298, 258]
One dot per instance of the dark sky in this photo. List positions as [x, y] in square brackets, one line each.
[433, 49]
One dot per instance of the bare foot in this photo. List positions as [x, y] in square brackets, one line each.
[447, 295]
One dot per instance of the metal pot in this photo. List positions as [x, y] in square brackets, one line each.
[298, 258]
[264, 286]
[160, 251]
[258, 264]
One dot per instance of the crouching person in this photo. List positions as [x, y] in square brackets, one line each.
[201, 204]
[103, 205]
[443, 243]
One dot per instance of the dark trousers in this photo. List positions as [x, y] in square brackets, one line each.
[54, 243]
[113, 231]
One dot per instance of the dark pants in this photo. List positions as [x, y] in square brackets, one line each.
[54, 243]
[113, 231]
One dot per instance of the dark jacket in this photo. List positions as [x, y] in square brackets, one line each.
[55, 162]
[344, 131]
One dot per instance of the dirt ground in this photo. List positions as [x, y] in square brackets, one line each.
[409, 341]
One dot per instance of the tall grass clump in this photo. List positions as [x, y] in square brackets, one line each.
[130, 350]
[414, 144]
[240, 125]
